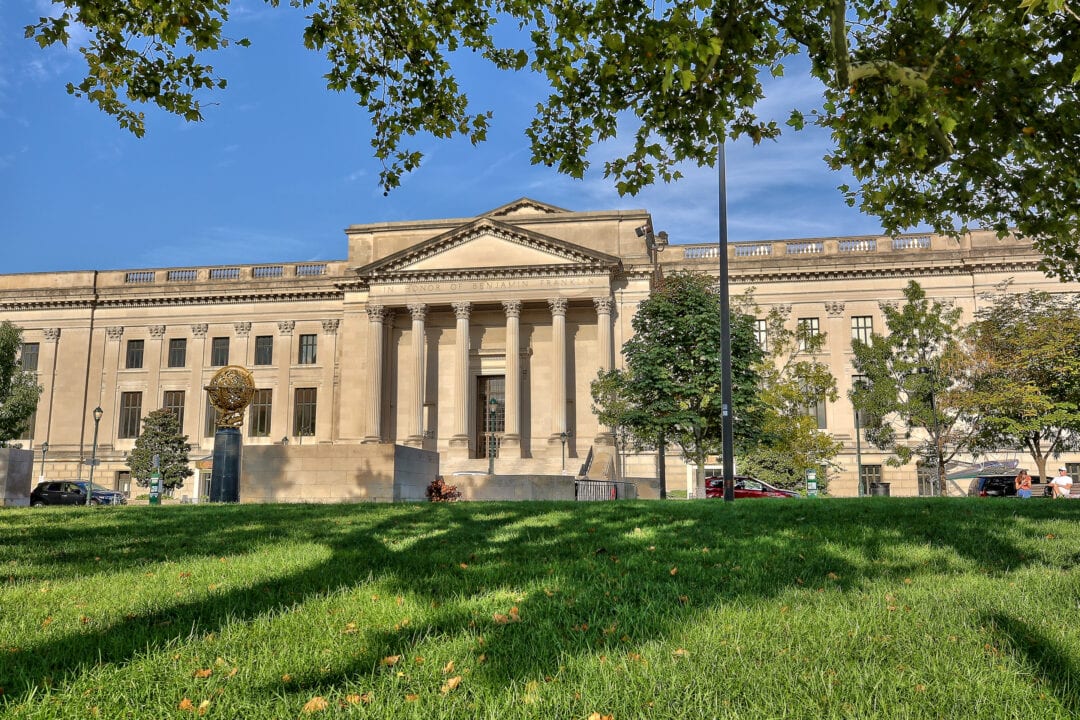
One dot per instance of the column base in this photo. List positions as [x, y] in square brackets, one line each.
[371, 440]
[416, 441]
[604, 439]
[459, 447]
[510, 442]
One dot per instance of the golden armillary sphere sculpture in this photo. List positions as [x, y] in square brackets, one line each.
[231, 390]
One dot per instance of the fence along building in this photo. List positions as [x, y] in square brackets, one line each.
[441, 335]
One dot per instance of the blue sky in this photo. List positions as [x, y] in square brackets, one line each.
[281, 165]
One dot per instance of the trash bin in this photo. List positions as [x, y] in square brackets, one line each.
[879, 488]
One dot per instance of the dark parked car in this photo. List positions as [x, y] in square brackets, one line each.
[746, 487]
[1000, 486]
[73, 492]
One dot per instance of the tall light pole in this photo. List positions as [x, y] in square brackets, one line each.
[727, 423]
[859, 385]
[939, 479]
[44, 449]
[562, 437]
[93, 454]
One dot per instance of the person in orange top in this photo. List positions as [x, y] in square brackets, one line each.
[1023, 484]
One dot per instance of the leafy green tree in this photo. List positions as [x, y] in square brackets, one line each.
[19, 391]
[670, 387]
[793, 381]
[162, 436]
[914, 380]
[944, 111]
[1025, 378]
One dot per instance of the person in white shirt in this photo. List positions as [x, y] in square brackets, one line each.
[1062, 484]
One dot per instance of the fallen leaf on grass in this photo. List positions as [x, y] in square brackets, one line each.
[412, 697]
[314, 705]
[450, 684]
[286, 678]
[390, 660]
[681, 653]
[203, 707]
[350, 629]
[598, 716]
[448, 668]
[186, 705]
[674, 571]
[204, 673]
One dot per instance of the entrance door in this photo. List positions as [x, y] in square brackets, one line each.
[490, 413]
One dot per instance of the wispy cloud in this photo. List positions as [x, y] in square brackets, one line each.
[224, 245]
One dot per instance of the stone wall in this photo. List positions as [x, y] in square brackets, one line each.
[336, 473]
[16, 466]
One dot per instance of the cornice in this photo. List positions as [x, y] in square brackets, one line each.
[524, 272]
[966, 267]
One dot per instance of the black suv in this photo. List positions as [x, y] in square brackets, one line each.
[68, 492]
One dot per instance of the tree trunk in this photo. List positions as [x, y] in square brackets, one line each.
[661, 459]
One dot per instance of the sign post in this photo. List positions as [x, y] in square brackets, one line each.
[811, 483]
[155, 481]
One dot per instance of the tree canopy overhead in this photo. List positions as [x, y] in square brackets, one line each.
[947, 112]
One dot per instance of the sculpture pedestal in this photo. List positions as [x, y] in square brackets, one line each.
[225, 477]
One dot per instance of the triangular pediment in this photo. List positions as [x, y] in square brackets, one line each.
[524, 207]
[486, 246]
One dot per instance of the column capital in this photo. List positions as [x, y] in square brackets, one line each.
[462, 309]
[285, 327]
[199, 330]
[242, 329]
[330, 327]
[557, 305]
[115, 332]
[604, 305]
[512, 308]
[51, 334]
[157, 331]
[376, 313]
[835, 308]
[418, 310]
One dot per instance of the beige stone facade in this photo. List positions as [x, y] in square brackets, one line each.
[439, 335]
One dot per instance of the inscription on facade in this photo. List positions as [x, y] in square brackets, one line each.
[482, 285]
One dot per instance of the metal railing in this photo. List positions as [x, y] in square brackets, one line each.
[589, 490]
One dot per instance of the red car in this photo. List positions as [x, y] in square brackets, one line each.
[746, 487]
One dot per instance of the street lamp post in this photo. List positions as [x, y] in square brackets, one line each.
[562, 438]
[939, 480]
[859, 385]
[93, 454]
[727, 421]
[44, 449]
[493, 409]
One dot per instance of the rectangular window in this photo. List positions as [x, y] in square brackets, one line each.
[219, 351]
[130, 414]
[307, 350]
[28, 429]
[173, 401]
[29, 358]
[808, 328]
[761, 334]
[816, 410]
[925, 476]
[862, 327]
[304, 412]
[1073, 469]
[869, 474]
[177, 352]
[210, 422]
[134, 354]
[259, 413]
[264, 350]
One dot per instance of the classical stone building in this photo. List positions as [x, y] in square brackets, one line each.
[436, 336]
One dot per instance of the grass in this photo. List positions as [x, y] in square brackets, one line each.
[871, 608]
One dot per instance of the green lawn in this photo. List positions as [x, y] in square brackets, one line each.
[879, 607]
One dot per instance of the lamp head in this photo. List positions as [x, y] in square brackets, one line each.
[45, 447]
[98, 412]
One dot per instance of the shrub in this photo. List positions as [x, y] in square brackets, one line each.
[439, 491]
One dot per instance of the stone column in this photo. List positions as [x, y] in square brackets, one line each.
[196, 358]
[605, 340]
[558, 369]
[419, 312]
[283, 407]
[512, 431]
[459, 442]
[376, 315]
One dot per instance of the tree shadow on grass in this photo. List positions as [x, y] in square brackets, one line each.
[1053, 665]
[604, 561]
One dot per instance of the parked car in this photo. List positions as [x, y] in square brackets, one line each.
[1001, 486]
[746, 487]
[73, 492]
